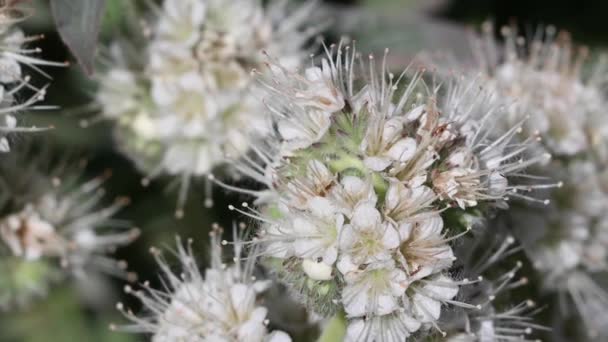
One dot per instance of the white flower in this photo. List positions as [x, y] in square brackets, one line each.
[459, 185]
[186, 106]
[403, 204]
[395, 327]
[317, 182]
[428, 298]
[53, 222]
[374, 291]
[222, 305]
[547, 86]
[302, 131]
[385, 145]
[352, 192]
[358, 177]
[30, 237]
[424, 248]
[319, 90]
[366, 239]
[543, 80]
[316, 235]
[116, 85]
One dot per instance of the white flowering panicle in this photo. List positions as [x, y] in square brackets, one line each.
[221, 304]
[14, 54]
[189, 105]
[359, 170]
[547, 79]
[52, 225]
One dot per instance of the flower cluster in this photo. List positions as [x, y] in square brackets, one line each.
[221, 305]
[359, 172]
[49, 222]
[14, 54]
[546, 79]
[189, 105]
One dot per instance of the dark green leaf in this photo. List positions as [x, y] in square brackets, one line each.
[78, 24]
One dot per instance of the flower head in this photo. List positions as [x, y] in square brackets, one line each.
[189, 106]
[220, 304]
[544, 78]
[550, 80]
[359, 171]
[51, 224]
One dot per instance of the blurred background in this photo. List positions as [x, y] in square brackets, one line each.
[77, 311]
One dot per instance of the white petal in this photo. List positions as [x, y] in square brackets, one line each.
[385, 304]
[442, 287]
[303, 227]
[353, 185]
[355, 301]
[365, 216]
[396, 191]
[430, 227]
[403, 150]
[405, 230]
[355, 330]
[391, 238]
[317, 270]
[348, 237]
[321, 207]
[425, 308]
[415, 113]
[410, 323]
[377, 163]
[345, 265]
[290, 130]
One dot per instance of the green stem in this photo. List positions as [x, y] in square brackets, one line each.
[335, 330]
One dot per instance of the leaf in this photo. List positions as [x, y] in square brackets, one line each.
[78, 23]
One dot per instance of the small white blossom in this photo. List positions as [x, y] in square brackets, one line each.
[54, 223]
[220, 304]
[185, 106]
[358, 175]
[318, 233]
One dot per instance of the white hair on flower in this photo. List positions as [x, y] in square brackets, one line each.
[221, 304]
